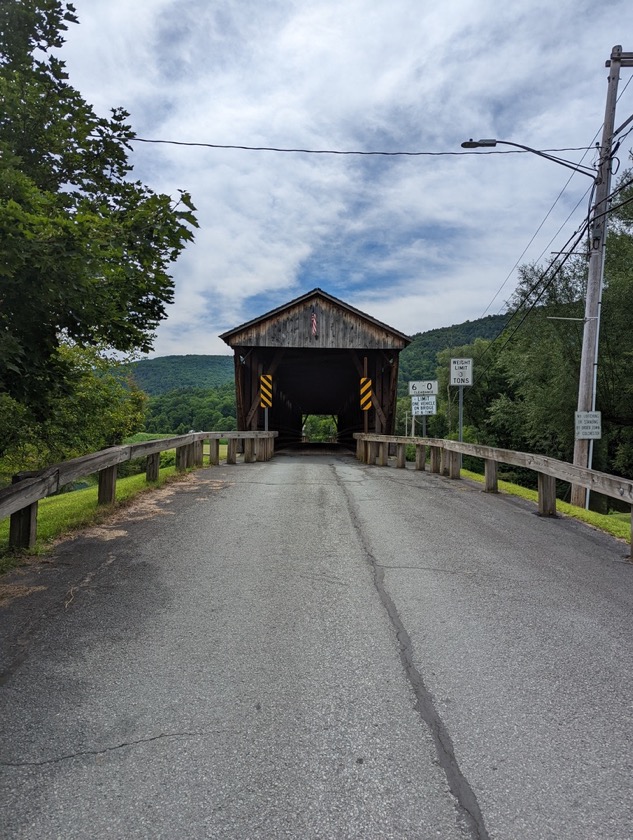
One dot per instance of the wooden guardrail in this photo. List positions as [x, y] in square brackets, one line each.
[19, 501]
[445, 458]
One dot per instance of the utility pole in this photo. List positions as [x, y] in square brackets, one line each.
[597, 243]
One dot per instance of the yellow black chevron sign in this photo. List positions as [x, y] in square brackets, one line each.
[266, 390]
[365, 393]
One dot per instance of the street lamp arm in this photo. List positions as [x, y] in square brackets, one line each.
[478, 144]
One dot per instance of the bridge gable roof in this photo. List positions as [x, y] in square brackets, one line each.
[316, 320]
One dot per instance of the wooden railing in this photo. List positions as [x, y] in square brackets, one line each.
[20, 500]
[445, 459]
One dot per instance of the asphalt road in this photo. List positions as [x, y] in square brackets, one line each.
[312, 648]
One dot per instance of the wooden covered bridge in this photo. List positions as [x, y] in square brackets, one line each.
[317, 349]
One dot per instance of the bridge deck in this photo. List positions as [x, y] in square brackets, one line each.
[314, 648]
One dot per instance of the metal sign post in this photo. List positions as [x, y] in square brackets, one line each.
[266, 395]
[461, 375]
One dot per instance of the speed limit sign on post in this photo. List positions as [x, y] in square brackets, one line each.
[424, 387]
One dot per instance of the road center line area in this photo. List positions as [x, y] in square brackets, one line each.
[313, 648]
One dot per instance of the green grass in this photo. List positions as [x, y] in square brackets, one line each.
[62, 515]
[616, 524]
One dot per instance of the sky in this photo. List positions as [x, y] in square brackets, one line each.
[418, 242]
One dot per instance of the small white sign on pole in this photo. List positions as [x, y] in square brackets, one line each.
[424, 386]
[423, 405]
[588, 425]
[461, 372]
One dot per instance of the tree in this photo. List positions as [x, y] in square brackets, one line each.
[99, 408]
[84, 249]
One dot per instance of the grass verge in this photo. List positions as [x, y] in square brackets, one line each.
[61, 515]
[616, 524]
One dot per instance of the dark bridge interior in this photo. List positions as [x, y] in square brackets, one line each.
[316, 348]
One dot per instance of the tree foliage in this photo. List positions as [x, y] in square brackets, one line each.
[202, 409]
[99, 408]
[526, 381]
[84, 249]
[170, 373]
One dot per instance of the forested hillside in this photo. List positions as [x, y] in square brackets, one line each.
[419, 359]
[170, 373]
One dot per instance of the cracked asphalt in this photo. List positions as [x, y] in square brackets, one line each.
[313, 648]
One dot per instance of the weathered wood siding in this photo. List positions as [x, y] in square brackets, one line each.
[336, 328]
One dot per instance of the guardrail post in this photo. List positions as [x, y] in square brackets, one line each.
[371, 452]
[231, 454]
[152, 467]
[23, 524]
[436, 453]
[23, 527]
[198, 454]
[631, 554]
[360, 449]
[383, 455]
[546, 495]
[107, 486]
[249, 450]
[181, 458]
[401, 455]
[214, 452]
[420, 456]
[490, 471]
[454, 464]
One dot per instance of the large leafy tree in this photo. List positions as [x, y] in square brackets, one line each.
[84, 249]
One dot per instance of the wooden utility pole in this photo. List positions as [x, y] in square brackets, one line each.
[597, 240]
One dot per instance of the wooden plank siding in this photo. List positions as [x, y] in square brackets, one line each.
[338, 326]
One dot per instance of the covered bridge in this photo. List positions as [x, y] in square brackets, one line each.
[316, 348]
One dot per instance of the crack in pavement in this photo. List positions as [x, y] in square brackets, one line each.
[80, 753]
[466, 801]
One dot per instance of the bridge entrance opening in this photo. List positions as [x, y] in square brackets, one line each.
[316, 353]
[319, 428]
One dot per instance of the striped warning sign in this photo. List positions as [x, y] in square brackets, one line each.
[365, 393]
[266, 390]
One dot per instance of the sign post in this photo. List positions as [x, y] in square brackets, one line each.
[461, 375]
[266, 395]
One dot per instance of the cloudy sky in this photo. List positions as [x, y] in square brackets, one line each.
[418, 242]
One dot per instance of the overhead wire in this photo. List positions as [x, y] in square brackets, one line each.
[557, 267]
[344, 151]
[557, 199]
[579, 234]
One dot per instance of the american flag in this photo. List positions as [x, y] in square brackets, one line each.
[313, 322]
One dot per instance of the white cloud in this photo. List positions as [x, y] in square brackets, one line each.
[417, 242]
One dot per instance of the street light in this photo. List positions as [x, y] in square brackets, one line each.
[478, 144]
[583, 451]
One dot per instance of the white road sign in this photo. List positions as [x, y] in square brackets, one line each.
[424, 386]
[461, 372]
[588, 425]
[424, 405]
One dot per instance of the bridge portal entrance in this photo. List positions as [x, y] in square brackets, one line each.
[316, 348]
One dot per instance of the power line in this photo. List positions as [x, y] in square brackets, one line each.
[578, 234]
[344, 152]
